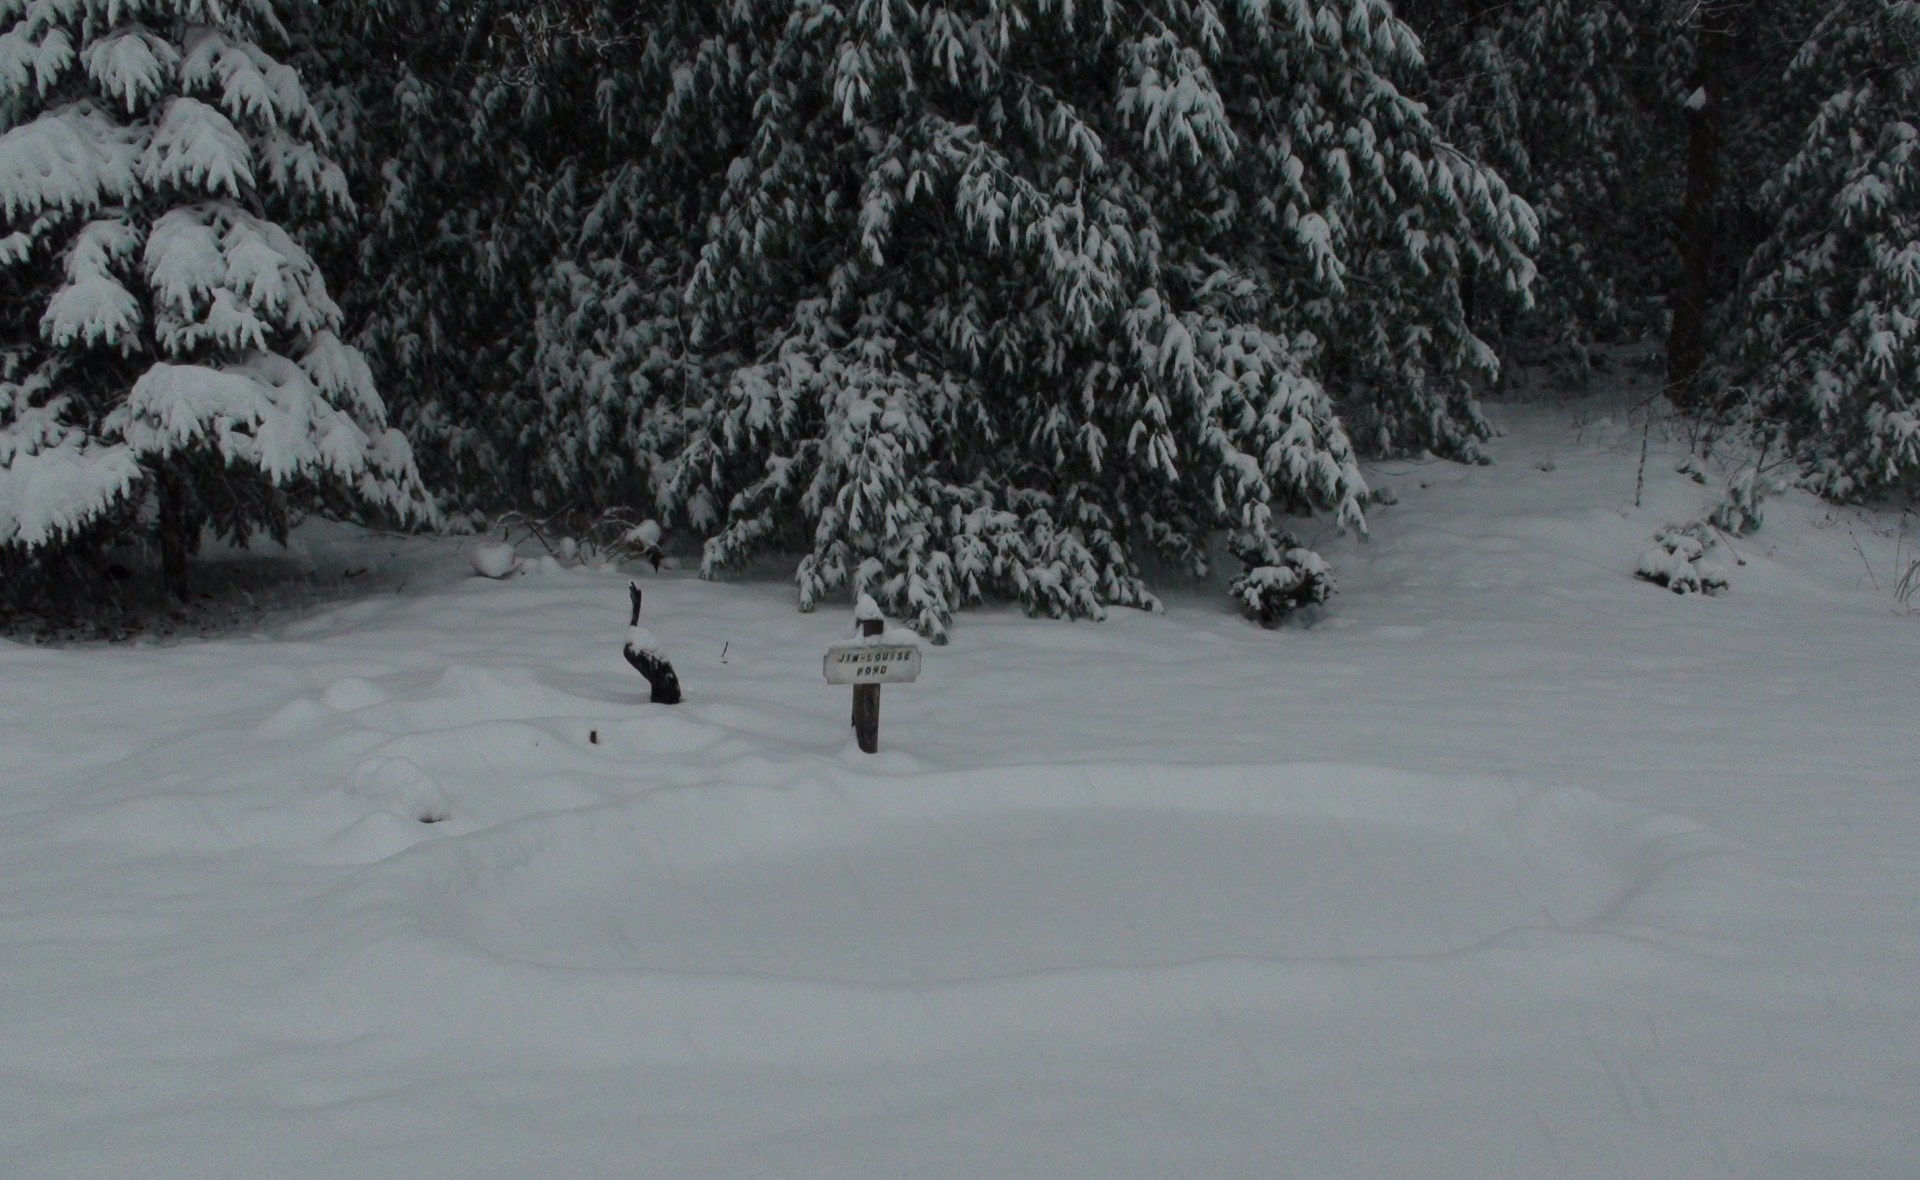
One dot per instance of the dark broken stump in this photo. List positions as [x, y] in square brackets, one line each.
[662, 681]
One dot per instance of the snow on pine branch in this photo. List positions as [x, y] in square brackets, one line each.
[132, 66]
[262, 411]
[224, 277]
[197, 148]
[54, 481]
[69, 160]
[94, 308]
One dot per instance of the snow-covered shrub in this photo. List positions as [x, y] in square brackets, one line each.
[1275, 584]
[1741, 508]
[1678, 560]
[614, 536]
[165, 337]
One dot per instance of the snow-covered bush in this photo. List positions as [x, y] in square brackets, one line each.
[1275, 584]
[614, 536]
[165, 338]
[1678, 560]
[1741, 509]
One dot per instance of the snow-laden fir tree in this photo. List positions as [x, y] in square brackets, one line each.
[1829, 314]
[1729, 110]
[1543, 91]
[613, 364]
[1025, 289]
[166, 341]
[458, 135]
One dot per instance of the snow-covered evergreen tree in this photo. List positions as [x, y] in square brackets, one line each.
[454, 131]
[1829, 316]
[1543, 91]
[1728, 110]
[166, 339]
[613, 361]
[1025, 288]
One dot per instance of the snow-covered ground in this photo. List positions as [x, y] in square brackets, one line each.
[1509, 866]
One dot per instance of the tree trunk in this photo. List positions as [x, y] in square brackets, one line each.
[1699, 235]
[177, 529]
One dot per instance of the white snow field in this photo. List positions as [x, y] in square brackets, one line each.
[1508, 866]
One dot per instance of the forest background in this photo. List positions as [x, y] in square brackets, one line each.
[935, 301]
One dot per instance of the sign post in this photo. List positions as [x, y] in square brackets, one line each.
[866, 663]
[866, 700]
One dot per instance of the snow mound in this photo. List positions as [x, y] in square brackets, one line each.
[465, 695]
[352, 692]
[397, 785]
[494, 560]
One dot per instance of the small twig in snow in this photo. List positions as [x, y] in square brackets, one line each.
[1863, 559]
[1640, 477]
[1909, 585]
[1728, 542]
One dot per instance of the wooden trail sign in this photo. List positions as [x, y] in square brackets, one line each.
[872, 663]
[867, 663]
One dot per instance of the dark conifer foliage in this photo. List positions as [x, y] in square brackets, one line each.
[956, 301]
[1770, 146]
[1556, 96]
[1027, 288]
[1826, 324]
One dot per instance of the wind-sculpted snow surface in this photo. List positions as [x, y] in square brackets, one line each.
[852, 920]
[989, 875]
[1596, 881]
